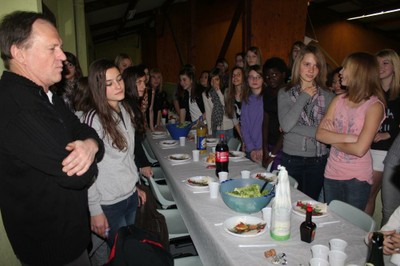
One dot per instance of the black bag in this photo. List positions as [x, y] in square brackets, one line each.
[148, 218]
[137, 247]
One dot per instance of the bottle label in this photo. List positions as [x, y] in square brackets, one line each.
[201, 143]
[222, 156]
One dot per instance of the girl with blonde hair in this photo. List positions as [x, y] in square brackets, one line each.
[348, 173]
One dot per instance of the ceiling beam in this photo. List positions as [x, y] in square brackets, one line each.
[115, 22]
[131, 8]
[101, 4]
[231, 30]
[127, 31]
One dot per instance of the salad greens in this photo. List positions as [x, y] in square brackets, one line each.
[250, 191]
[183, 125]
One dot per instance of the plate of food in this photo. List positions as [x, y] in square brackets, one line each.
[159, 134]
[210, 159]
[234, 155]
[265, 176]
[319, 209]
[179, 157]
[198, 182]
[211, 142]
[169, 143]
[244, 226]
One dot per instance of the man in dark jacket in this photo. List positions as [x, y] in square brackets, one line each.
[46, 155]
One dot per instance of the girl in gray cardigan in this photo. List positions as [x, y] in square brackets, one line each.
[301, 108]
[113, 197]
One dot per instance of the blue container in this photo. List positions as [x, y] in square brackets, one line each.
[244, 205]
[177, 132]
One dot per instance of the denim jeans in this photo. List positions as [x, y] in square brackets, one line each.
[308, 171]
[353, 191]
[120, 214]
[227, 133]
[390, 192]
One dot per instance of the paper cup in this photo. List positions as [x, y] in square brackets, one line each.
[338, 244]
[320, 251]
[267, 212]
[318, 262]
[196, 155]
[222, 176]
[214, 189]
[182, 141]
[245, 174]
[337, 258]
[395, 259]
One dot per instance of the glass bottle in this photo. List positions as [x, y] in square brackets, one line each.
[307, 228]
[201, 134]
[281, 207]
[375, 257]
[221, 155]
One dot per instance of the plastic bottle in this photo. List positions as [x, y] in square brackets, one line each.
[375, 257]
[164, 113]
[307, 228]
[201, 134]
[221, 156]
[281, 207]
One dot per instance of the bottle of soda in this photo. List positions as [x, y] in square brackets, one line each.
[221, 155]
[375, 257]
[164, 113]
[307, 228]
[201, 133]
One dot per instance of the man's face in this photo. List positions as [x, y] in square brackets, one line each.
[42, 60]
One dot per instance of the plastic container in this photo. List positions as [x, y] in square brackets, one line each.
[177, 132]
[244, 205]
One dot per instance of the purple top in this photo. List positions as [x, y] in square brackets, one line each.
[251, 122]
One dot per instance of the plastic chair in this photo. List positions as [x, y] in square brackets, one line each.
[158, 176]
[149, 152]
[188, 261]
[353, 215]
[234, 144]
[175, 224]
[162, 194]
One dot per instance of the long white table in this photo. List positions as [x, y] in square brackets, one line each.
[203, 217]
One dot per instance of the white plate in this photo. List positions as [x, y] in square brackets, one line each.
[179, 157]
[230, 224]
[211, 142]
[169, 143]
[193, 182]
[302, 212]
[234, 155]
[207, 163]
[264, 176]
[159, 134]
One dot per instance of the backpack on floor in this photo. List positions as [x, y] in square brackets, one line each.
[148, 218]
[138, 247]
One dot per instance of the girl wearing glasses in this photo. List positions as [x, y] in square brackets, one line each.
[252, 113]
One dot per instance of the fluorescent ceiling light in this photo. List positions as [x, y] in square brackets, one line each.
[375, 14]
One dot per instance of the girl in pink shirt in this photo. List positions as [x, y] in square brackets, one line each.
[348, 173]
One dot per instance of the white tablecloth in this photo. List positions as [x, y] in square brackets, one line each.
[217, 247]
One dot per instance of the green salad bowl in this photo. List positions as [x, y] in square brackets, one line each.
[245, 205]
